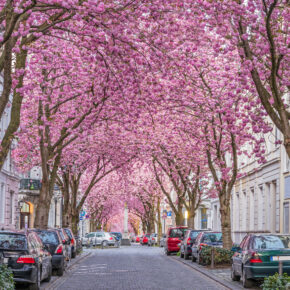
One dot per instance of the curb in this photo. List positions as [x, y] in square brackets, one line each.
[209, 275]
[75, 261]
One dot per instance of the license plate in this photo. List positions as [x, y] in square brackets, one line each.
[280, 258]
[5, 260]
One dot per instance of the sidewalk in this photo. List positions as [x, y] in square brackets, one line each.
[54, 279]
[220, 275]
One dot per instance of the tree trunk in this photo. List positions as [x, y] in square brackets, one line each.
[66, 212]
[74, 221]
[42, 207]
[179, 219]
[191, 218]
[159, 223]
[287, 146]
[225, 211]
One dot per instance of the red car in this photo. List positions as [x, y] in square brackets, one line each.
[174, 236]
[145, 239]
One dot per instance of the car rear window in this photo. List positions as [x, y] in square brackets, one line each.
[271, 242]
[194, 235]
[212, 237]
[177, 233]
[48, 237]
[12, 241]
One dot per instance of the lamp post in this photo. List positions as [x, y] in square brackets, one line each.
[125, 238]
[164, 216]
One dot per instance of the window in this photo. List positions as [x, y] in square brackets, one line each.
[12, 242]
[286, 217]
[271, 242]
[48, 237]
[2, 203]
[176, 233]
[287, 187]
[11, 206]
[203, 218]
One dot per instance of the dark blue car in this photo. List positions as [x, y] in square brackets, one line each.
[117, 235]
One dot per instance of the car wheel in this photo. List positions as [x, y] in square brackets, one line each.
[233, 274]
[247, 283]
[36, 285]
[60, 271]
[49, 275]
[104, 244]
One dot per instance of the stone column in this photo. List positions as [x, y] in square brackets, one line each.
[125, 237]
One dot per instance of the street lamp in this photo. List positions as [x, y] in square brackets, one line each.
[164, 216]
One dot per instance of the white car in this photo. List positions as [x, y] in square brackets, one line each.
[98, 238]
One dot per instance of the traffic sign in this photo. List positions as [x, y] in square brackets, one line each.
[169, 213]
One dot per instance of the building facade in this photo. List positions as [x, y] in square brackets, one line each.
[9, 183]
[30, 185]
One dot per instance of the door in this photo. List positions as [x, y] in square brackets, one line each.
[195, 245]
[242, 254]
[46, 258]
[99, 238]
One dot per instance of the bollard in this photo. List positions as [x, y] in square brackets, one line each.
[212, 258]
[280, 268]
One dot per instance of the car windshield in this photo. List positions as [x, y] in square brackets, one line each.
[271, 242]
[48, 237]
[12, 242]
[177, 233]
[212, 237]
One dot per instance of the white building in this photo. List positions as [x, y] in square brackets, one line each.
[9, 183]
[30, 185]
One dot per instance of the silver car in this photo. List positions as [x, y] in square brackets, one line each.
[99, 238]
[162, 241]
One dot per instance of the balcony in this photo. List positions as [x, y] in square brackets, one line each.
[28, 184]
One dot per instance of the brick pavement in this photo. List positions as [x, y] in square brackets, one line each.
[133, 268]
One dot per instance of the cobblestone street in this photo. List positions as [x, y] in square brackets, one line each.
[134, 267]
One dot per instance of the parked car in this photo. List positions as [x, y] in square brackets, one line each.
[213, 239]
[72, 242]
[145, 239]
[173, 239]
[100, 238]
[25, 255]
[162, 241]
[152, 240]
[117, 235]
[66, 242]
[54, 245]
[79, 245]
[257, 257]
[187, 242]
